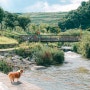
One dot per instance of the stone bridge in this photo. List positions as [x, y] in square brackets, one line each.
[50, 38]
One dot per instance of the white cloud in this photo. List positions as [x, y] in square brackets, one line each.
[5, 4]
[42, 6]
[37, 7]
[63, 1]
[77, 1]
[45, 7]
[57, 7]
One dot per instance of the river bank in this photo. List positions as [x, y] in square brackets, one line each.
[16, 62]
[5, 84]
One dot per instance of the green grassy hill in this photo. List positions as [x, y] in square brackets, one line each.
[45, 17]
[5, 40]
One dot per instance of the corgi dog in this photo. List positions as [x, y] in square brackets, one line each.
[15, 75]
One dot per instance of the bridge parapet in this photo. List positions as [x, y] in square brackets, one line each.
[50, 38]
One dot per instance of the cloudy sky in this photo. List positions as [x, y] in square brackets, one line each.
[39, 5]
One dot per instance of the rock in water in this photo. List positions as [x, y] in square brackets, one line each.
[38, 67]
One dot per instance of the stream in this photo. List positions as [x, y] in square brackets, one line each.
[74, 74]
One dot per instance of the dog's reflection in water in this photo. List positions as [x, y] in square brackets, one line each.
[15, 75]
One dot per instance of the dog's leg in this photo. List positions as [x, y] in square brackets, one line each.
[17, 79]
[12, 80]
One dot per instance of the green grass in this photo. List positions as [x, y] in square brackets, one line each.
[5, 40]
[45, 17]
[72, 32]
[12, 33]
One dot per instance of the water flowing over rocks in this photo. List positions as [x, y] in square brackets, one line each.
[74, 74]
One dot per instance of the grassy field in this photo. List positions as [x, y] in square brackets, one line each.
[12, 33]
[43, 17]
[5, 40]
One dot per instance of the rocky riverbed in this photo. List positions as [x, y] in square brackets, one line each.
[18, 62]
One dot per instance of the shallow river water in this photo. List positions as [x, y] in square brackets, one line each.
[74, 74]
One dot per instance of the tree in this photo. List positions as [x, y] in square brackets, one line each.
[83, 3]
[1, 14]
[1, 17]
[11, 20]
[75, 18]
[55, 30]
[24, 21]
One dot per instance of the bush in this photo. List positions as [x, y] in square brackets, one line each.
[4, 67]
[52, 45]
[58, 57]
[43, 57]
[84, 48]
[73, 32]
[76, 47]
[48, 56]
[28, 49]
[23, 52]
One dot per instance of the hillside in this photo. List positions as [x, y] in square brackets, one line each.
[45, 17]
